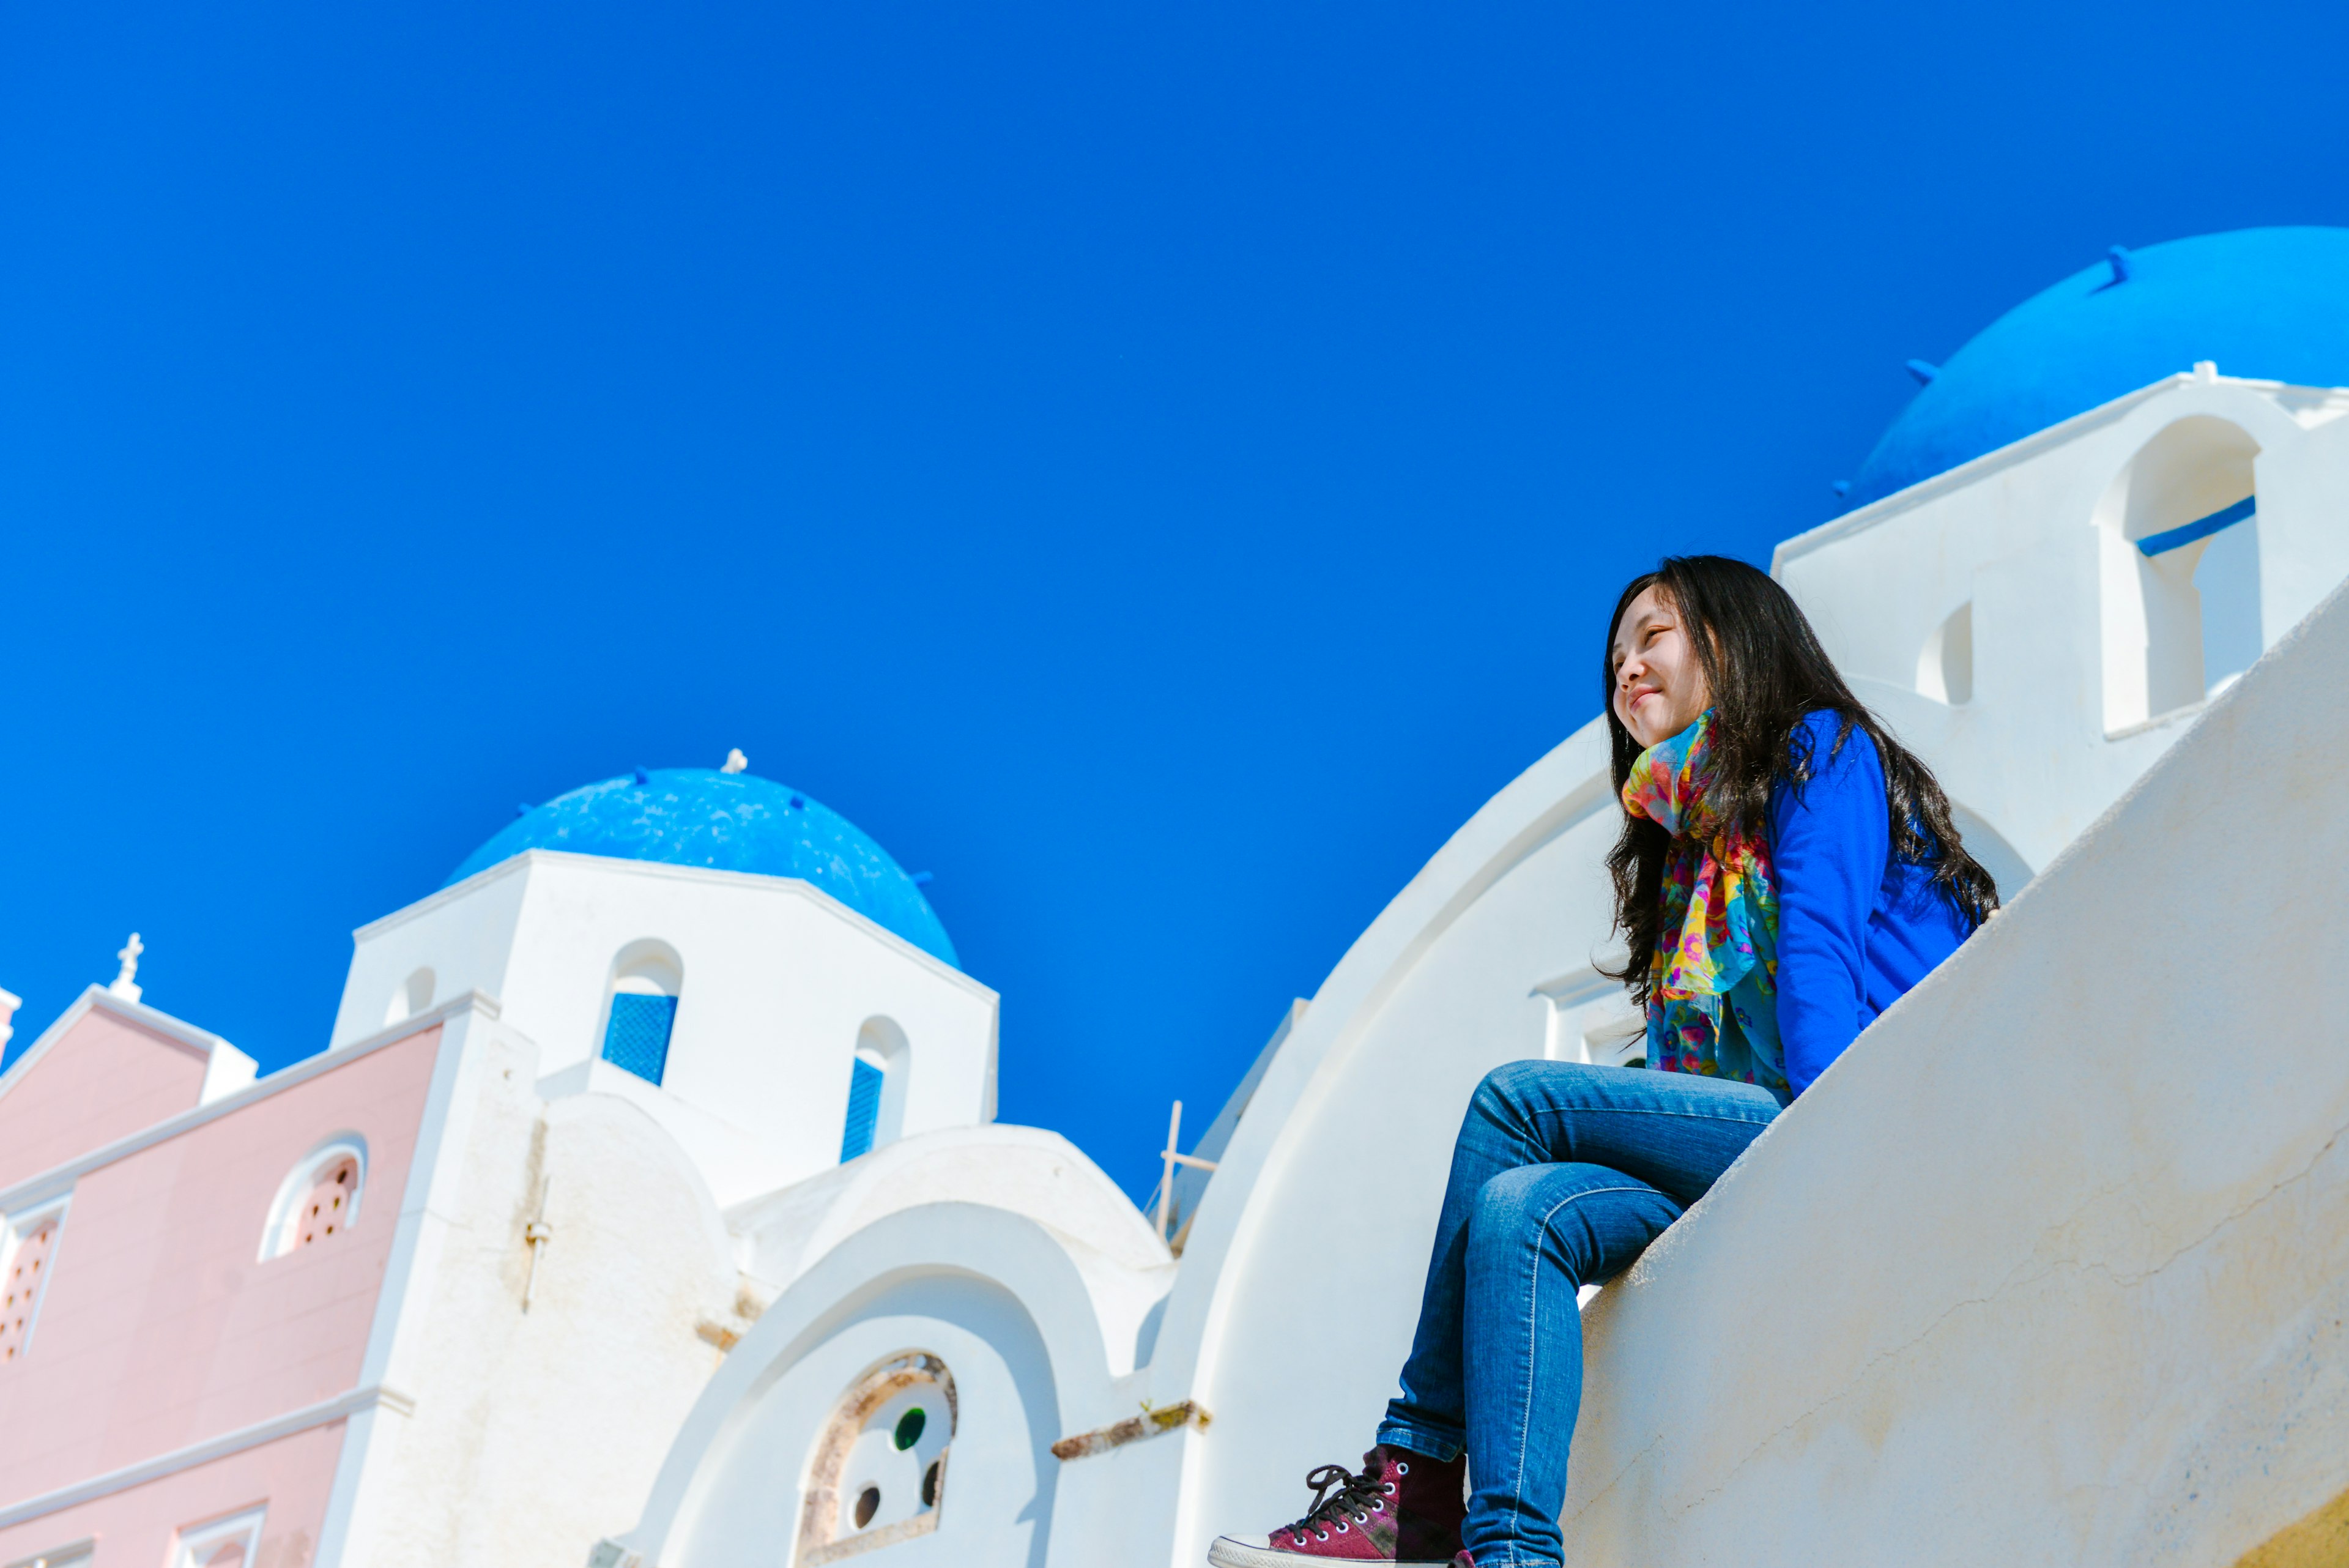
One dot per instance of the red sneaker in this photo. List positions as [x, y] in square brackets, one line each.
[1403, 1508]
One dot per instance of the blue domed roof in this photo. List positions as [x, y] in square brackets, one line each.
[733, 822]
[2266, 304]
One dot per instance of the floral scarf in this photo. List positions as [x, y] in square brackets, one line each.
[1713, 1008]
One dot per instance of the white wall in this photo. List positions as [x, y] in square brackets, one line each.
[1013, 1309]
[1026, 1170]
[778, 981]
[2033, 537]
[463, 934]
[535, 1434]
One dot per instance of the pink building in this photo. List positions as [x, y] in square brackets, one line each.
[196, 1271]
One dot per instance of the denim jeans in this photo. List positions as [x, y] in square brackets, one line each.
[1562, 1175]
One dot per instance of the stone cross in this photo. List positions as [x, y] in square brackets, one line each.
[126, 984]
[735, 762]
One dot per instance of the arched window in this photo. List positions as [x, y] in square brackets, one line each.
[878, 1472]
[232, 1542]
[318, 1200]
[29, 1250]
[413, 995]
[640, 1014]
[2180, 540]
[877, 1088]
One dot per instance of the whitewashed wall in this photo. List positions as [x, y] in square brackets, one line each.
[2029, 537]
[778, 978]
[534, 1434]
[1016, 1309]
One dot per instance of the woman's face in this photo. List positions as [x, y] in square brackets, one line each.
[1660, 686]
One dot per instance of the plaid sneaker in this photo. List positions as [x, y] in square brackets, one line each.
[1401, 1508]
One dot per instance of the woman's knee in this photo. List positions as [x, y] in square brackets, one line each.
[1509, 1202]
[1592, 1219]
[1513, 1090]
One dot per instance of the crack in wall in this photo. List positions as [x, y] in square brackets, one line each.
[1617, 1479]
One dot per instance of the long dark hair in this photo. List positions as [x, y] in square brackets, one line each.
[1766, 672]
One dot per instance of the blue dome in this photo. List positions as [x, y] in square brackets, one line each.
[733, 822]
[2267, 304]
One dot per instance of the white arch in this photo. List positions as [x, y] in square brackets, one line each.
[412, 996]
[2152, 615]
[646, 967]
[284, 1231]
[882, 1043]
[1001, 1285]
[1991, 851]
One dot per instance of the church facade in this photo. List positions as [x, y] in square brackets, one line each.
[647, 1207]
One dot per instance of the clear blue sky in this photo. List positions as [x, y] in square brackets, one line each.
[1160, 468]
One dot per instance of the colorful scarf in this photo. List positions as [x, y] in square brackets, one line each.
[1714, 1006]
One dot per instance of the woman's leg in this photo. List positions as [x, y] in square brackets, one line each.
[1538, 1234]
[1674, 1131]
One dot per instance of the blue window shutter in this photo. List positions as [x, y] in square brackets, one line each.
[864, 1110]
[637, 1037]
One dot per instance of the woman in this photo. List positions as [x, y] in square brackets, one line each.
[1784, 872]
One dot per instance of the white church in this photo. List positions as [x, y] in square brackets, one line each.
[647, 1206]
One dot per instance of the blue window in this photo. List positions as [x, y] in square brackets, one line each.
[864, 1110]
[637, 1037]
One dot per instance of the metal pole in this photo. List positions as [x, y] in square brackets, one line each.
[1166, 1188]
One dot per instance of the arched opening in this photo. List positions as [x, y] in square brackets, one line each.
[1991, 851]
[1945, 665]
[29, 1250]
[878, 1079]
[878, 1470]
[1590, 1018]
[232, 1542]
[640, 1008]
[319, 1198]
[412, 996]
[2179, 537]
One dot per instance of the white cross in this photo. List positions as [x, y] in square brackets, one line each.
[126, 984]
[1166, 1183]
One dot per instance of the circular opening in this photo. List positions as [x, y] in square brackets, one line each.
[909, 1427]
[868, 1503]
[930, 1484]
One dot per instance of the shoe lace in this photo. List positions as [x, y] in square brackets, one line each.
[1337, 1489]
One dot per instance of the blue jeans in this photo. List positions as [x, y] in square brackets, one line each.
[1562, 1175]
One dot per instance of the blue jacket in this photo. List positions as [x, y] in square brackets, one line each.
[1856, 927]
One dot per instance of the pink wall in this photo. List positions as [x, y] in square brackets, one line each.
[103, 1079]
[161, 1327]
[136, 1528]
